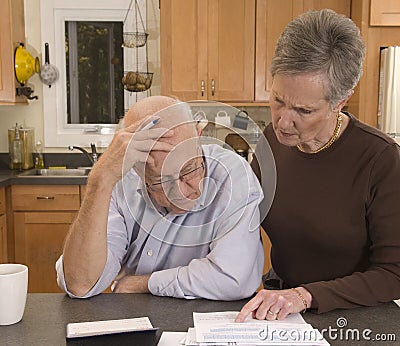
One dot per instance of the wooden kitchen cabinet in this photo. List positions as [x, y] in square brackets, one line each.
[3, 227]
[272, 18]
[207, 49]
[42, 215]
[12, 31]
[364, 103]
[385, 13]
[3, 239]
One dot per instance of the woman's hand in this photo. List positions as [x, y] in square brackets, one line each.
[276, 305]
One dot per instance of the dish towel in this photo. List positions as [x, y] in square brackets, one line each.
[389, 91]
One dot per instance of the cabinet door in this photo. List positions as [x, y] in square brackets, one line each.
[272, 18]
[385, 13]
[207, 49]
[3, 227]
[39, 238]
[231, 37]
[3, 239]
[339, 6]
[183, 49]
[2, 201]
[12, 31]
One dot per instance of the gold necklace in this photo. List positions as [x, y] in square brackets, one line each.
[331, 140]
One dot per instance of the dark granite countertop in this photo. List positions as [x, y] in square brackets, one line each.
[46, 316]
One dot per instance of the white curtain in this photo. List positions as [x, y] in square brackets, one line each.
[389, 91]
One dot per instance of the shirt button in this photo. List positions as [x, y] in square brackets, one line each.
[150, 253]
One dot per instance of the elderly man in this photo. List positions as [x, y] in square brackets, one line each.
[165, 215]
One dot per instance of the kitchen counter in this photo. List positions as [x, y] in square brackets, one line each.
[5, 178]
[46, 317]
[9, 177]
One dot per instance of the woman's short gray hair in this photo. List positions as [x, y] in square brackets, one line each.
[322, 42]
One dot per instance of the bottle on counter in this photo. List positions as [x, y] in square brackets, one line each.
[39, 161]
[16, 150]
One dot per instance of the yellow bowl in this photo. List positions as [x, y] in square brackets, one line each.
[25, 64]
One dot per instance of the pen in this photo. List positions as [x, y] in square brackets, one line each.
[150, 124]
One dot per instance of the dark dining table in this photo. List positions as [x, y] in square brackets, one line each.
[47, 314]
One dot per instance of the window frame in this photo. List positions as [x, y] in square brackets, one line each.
[54, 14]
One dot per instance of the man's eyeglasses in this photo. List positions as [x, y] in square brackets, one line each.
[184, 177]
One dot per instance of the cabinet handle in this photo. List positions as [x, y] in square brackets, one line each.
[212, 87]
[202, 87]
[45, 197]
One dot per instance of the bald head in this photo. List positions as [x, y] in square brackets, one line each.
[172, 114]
[166, 165]
[146, 107]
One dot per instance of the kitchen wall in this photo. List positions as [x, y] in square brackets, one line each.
[32, 114]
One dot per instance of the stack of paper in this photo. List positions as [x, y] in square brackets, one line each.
[219, 328]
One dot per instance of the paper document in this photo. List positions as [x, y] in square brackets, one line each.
[81, 329]
[191, 341]
[230, 316]
[172, 339]
[397, 302]
[219, 327]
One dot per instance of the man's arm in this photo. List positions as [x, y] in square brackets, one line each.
[131, 284]
[232, 270]
[85, 248]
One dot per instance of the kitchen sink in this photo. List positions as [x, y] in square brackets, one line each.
[57, 173]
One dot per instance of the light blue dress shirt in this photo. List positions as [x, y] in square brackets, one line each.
[213, 251]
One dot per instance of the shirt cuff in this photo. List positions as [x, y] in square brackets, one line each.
[166, 283]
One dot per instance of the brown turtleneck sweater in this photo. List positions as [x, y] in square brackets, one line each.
[334, 223]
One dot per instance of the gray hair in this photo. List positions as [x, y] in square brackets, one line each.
[322, 42]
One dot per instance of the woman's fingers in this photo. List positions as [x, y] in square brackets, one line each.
[251, 307]
[269, 305]
[286, 309]
[279, 308]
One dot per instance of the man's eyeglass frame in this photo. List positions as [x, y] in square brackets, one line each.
[157, 187]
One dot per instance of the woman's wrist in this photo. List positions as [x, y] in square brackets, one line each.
[306, 295]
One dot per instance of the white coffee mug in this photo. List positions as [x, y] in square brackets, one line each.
[13, 290]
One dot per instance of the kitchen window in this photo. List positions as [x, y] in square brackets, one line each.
[94, 70]
[85, 40]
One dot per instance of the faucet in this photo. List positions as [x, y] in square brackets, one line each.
[92, 157]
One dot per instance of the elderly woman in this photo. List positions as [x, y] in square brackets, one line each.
[334, 221]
